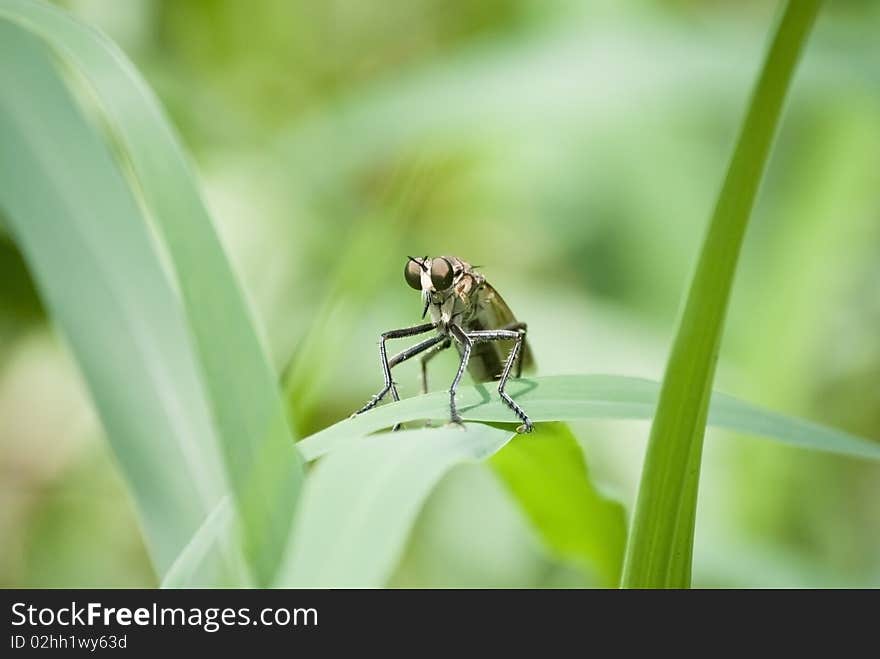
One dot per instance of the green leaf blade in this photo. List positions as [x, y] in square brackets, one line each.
[661, 544]
[578, 397]
[212, 540]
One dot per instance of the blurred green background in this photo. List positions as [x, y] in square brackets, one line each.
[571, 148]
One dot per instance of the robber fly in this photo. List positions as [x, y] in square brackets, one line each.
[465, 311]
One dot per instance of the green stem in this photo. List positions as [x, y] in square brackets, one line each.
[661, 541]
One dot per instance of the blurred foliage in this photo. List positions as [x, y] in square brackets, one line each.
[573, 149]
[20, 310]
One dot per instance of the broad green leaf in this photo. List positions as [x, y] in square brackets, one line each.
[547, 475]
[660, 549]
[573, 397]
[88, 246]
[456, 543]
[359, 504]
[242, 393]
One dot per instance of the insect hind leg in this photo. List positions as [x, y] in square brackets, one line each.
[518, 336]
[517, 325]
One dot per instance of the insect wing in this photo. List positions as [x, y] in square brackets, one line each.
[491, 312]
[496, 311]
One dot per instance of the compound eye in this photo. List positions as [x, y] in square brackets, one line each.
[441, 274]
[413, 274]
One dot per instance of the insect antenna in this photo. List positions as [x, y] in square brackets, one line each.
[421, 264]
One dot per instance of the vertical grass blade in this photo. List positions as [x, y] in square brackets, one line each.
[660, 548]
[263, 466]
[91, 254]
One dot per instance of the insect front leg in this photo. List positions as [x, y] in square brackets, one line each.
[386, 366]
[507, 335]
[428, 344]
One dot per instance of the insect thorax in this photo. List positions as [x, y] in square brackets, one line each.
[460, 304]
